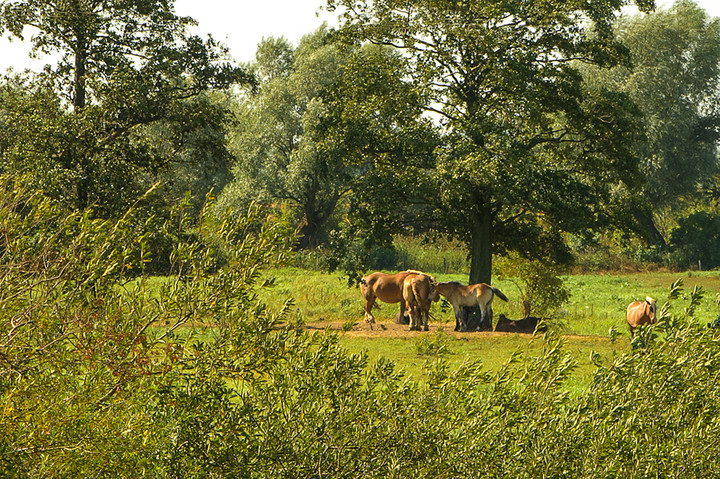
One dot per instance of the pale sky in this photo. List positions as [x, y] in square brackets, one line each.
[241, 25]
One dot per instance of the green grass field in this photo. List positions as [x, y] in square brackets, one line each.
[597, 304]
[493, 350]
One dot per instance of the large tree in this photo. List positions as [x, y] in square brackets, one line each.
[529, 149]
[675, 81]
[131, 84]
[321, 115]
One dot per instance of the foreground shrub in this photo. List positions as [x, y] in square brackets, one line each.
[193, 378]
[85, 345]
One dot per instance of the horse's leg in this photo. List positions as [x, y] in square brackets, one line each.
[485, 317]
[482, 320]
[369, 303]
[413, 319]
[460, 318]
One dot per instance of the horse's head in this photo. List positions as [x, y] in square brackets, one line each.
[446, 288]
[434, 293]
[651, 308]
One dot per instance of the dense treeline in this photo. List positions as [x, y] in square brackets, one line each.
[355, 136]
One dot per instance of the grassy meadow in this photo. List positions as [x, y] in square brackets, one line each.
[597, 305]
[597, 302]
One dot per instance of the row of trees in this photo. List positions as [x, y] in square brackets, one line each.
[505, 125]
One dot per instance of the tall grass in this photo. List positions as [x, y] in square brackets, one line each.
[435, 254]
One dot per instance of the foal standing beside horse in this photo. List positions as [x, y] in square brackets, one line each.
[459, 295]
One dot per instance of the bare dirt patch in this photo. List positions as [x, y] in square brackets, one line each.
[389, 329]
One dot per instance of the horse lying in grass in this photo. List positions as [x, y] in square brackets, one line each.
[526, 325]
[640, 313]
[388, 288]
[419, 292]
[459, 295]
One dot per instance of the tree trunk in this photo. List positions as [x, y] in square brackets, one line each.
[481, 246]
[80, 74]
[648, 229]
[317, 213]
[480, 263]
[307, 237]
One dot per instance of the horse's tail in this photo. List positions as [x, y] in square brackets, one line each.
[499, 293]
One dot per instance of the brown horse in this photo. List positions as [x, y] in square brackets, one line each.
[640, 313]
[418, 293]
[459, 295]
[388, 288]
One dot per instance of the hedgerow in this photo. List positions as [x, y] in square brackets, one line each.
[102, 375]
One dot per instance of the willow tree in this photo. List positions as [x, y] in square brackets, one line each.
[529, 149]
[675, 81]
[321, 115]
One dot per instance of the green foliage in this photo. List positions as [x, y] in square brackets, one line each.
[541, 287]
[676, 69]
[84, 353]
[529, 148]
[673, 377]
[195, 378]
[437, 345]
[696, 240]
[321, 115]
[125, 105]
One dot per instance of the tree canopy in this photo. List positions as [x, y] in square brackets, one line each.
[321, 115]
[675, 81]
[529, 149]
[130, 87]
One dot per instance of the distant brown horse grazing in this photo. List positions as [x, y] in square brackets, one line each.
[459, 295]
[388, 288]
[640, 313]
[418, 293]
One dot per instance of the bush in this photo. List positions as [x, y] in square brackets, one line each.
[696, 240]
[542, 291]
[104, 377]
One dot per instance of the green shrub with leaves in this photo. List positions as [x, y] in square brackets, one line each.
[540, 285]
[84, 350]
[101, 376]
[696, 240]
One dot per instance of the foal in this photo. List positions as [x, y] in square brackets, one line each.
[459, 295]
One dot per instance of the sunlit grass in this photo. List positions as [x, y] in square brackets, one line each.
[597, 303]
